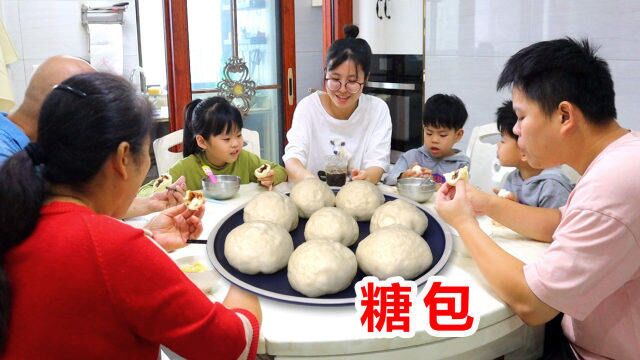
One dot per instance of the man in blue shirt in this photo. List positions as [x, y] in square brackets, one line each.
[12, 138]
[21, 126]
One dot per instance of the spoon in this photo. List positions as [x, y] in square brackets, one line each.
[438, 178]
[212, 177]
[435, 178]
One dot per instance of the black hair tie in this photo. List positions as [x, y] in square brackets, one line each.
[70, 90]
[36, 153]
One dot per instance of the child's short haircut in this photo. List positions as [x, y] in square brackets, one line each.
[550, 72]
[506, 119]
[444, 111]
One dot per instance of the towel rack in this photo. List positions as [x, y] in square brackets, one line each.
[113, 14]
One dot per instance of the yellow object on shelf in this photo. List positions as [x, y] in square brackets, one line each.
[154, 90]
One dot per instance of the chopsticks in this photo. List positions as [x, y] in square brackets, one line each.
[197, 241]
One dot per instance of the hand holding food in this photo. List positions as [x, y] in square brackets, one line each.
[416, 171]
[506, 194]
[172, 195]
[453, 176]
[265, 176]
[357, 174]
[453, 204]
[263, 171]
[161, 183]
[193, 200]
[174, 226]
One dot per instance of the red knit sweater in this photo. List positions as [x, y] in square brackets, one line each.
[89, 286]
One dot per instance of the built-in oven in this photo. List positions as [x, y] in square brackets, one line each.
[398, 80]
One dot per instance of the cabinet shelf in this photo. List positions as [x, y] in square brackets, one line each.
[253, 5]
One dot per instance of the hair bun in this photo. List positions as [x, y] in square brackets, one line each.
[351, 31]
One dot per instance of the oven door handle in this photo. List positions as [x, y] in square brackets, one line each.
[390, 85]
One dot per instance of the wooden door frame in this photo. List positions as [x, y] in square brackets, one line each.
[176, 37]
[179, 64]
[288, 51]
[335, 15]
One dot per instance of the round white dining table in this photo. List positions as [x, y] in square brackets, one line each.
[295, 331]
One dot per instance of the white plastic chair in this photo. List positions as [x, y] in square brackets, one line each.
[165, 158]
[485, 170]
[251, 141]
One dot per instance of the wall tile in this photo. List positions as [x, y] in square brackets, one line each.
[473, 79]
[626, 77]
[52, 27]
[477, 28]
[612, 24]
[468, 43]
[30, 66]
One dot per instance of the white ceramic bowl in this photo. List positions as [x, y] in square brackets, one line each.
[207, 280]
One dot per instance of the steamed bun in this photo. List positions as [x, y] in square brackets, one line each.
[394, 251]
[454, 176]
[311, 195]
[258, 247]
[399, 212]
[332, 224]
[318, 268]
[273, 207]
[359, 198]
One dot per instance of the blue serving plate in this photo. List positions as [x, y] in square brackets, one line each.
[276, 285]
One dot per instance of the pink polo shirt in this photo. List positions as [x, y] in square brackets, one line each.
[591, 271]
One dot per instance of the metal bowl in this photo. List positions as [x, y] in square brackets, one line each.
[226, 187]
[417, 189]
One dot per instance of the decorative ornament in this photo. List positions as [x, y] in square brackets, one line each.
[236, 86]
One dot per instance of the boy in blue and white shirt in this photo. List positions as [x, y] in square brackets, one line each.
[443, 118]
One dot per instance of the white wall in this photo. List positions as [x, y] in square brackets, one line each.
[43, 28]
[468, 43]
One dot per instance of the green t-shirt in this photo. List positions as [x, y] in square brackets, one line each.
[191, 168]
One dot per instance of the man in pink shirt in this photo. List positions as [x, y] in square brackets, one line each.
[564, 98]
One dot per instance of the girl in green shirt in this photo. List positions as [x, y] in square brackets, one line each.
[213, 137]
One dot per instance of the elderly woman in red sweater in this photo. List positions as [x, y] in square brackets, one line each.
[74, 281]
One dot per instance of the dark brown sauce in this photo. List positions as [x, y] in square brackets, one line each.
[336, 179]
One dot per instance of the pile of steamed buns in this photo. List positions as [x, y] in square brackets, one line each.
[324, 264]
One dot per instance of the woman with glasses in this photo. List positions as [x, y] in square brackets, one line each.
[341, 116]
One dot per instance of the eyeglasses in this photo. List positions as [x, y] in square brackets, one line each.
[351, 86]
